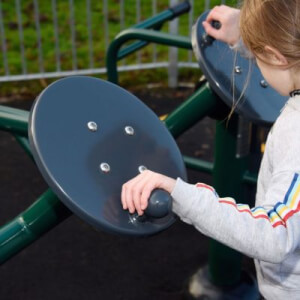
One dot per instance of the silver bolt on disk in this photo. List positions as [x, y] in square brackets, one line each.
[237, 69]
[92, 126]
[105, 167]
[142, 168]
[263, 83]
[129, 130]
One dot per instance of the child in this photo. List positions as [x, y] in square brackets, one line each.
[269, 232]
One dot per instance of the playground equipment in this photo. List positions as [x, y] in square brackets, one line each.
[100, 130]
[117, 137]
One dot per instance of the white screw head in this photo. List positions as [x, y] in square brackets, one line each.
[92, 126]
[105, 167]
[237, 69]
[263, 83]
[142, 168]
[129, 130]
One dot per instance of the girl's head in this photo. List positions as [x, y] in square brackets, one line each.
[270, 29]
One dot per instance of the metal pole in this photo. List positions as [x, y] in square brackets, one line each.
[14, 120]
[21, 36]
[222, 277]
[73, 35]
[197, 106]
[90, 34]
[225, 263]
[173, 53]
[56, 35]
[3, 42]
[39, 218]
[39, 36]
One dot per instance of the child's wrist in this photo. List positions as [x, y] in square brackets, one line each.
[169, 184]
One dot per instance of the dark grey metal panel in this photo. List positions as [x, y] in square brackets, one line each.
[217, 61]
[69, 155]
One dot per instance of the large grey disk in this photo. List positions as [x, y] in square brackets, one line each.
[69, 150]
[232, 75]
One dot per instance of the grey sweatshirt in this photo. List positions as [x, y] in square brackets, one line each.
[269, 232]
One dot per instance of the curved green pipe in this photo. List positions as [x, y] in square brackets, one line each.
[39, 218]
[191, 111]
[14, 120]
[142, 35]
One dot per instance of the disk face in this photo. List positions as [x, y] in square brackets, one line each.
[88, 137]
[232, 76]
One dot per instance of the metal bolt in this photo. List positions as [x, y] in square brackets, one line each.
[105, 167]
[92, 126]
[142, 168]
[129, 130]
[237, 69]
[263, 83]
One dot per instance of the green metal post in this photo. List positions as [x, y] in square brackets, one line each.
[225, 263]
[39, 218]
[196, 107]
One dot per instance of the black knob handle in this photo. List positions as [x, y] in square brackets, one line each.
[159, 205]
[207, 39]
[180, 9]
[216, 24]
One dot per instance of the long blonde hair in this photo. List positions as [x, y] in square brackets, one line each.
[272, 22]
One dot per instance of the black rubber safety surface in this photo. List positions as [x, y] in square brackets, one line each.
[74, 261]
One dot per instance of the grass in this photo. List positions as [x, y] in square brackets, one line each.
[102, 33]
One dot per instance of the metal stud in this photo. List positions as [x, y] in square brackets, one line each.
[263, 83]
[92, 126]
[129, 130]
[237, 69]
[142, 168]
[105, 167]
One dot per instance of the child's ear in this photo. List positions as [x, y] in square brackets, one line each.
[275, 57]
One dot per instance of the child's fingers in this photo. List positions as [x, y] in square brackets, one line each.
[123, 198]
[149, 186]
[144, 186]
[136, 192]
[145, 197]
[136, 195]
[214, 15]
[128, 197]
[211, 30]
[130, 194]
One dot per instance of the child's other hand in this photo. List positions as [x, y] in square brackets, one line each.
[229, 18]
[136, 192]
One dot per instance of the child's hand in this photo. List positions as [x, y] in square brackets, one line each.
[229, 18]
[136, 192]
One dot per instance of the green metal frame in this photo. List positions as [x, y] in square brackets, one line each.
[114, 53]
[47, 211]
[142, 35]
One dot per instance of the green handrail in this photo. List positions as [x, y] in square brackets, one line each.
[156, 22]
[112, 56]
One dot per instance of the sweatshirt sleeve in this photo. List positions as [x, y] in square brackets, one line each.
[268, 232]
